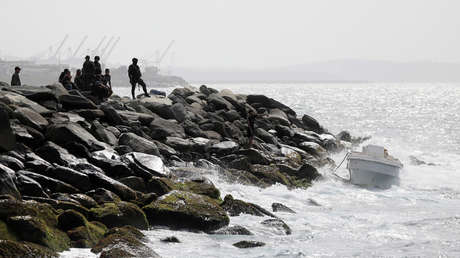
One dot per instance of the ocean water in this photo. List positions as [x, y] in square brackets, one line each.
[418, 218]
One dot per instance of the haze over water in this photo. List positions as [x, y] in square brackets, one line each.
[419, 218]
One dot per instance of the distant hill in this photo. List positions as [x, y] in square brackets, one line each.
[332, 71]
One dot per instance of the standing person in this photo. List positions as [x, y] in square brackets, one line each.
[15, 80]
[97, 66]
[88, 72]
[107, 78]
[251, 130]
[134, 73]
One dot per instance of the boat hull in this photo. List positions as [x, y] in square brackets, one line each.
[372, 173]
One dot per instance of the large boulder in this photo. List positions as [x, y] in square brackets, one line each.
[103, 134]
[10, 248]
[279, 117]
[267, 102]
[28, 186]
[71, 132]
[11, 98]
[7, 137]
[49, 183]
[118, 214]
[31, 118]
[83, 234]
[311, 124]
[138, 144]
[185, 210]
[101, 180]
[7, 184]
[70, 102]
[219, 102]
[72, 177]
[162, 128]
[111, 115]
[146, 165]
[179, 112]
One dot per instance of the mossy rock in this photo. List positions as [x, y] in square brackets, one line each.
[270, 175]
[201, 186]
[10, 248]
[120, 214]
[35, 230]
[184, 210]
[5, 232]
[88, 235]
[126, 241]
[159, 185]
[236, 207]
[43, 211]
[71, 219]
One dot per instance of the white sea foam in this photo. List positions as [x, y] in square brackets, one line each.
[419, 218]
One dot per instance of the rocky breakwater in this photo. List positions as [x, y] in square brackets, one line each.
[77, 174]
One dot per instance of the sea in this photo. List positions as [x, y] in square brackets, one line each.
[418, 218]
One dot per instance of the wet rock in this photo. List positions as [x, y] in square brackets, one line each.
[225, 147]
[344, 136]
[7, 184]
[267, 102]
[277, 207]
[218, 102]
[233, 230]
[82, 233]
[72, 177]
[102, 134]
[70, 219]
[277, 224]
[118, 214]
[138, 144]
[71, 132]
[165, 150]
[162, 128]
[248, 244]
[7, 138]
[266, 136]
[111, 115]
[49, 183]
[84, 200]
[152, 164]
[11, 162]
[179, 144]
[193, 129]
[232, 115]
[199, 185]
[35, 230]
[277, 116]
[70, 102]
[207, 90]
[28, 186]
[144, 119]
[314, 149]
[236, 207]
[110, 184]
[171, 239]
[123, 242]
[11, 98]
[311, 124]
[134, 182]
[101, 196]
[269, 174]
[10, 248]
[90, 114]
[55, 154]
[185, 210]
[31, 118]
[159, 186]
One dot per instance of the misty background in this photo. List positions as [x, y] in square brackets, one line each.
[258, 40]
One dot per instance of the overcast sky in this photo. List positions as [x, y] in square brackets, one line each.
[239, 33]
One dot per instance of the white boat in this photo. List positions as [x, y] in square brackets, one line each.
[373, 167]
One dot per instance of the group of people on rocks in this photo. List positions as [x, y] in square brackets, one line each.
[90, 78]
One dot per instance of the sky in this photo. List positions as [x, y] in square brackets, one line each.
[238, 33]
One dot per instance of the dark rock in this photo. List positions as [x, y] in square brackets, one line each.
[233, 230]
[134, 182]
[102, 134]
[144, 119]
[165, 150]
[281, 207]
[277, 116]
[7, 185]
[266, 136]
[7, 138]
[344, 136]
[152, 164]
[110, 184]
[199, 185]
[52, 184]
[90, 114]
[10, 248]
[284, 131]
[159, 186]
[179, 112]
[138, 144]
[70, 176]
[35, 230]
[278, 225]
[161, 128]
[193, 129]
[311, 124]
[269, 174]
[85, 200]
[111, 115]
[162, 110]
[179, 144]
[171, 239]
[248, 244]
[207, 91]
[70, 219]
[269, 103]
[70, 102]
[239, 162]
[31, 118]
[185, 210]
[232, 115]
[71, 132]
[36, 164]
[254, 156]
[235, 207]
[218, 102]
[314, 149]
[123, 242]
[308, 171]
[11, 162]
[101, 196]
[119, 214]
[55, 154]
[28, 186]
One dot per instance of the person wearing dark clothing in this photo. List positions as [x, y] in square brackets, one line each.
[78, 80]
[88, 71]
[97, 66]
[134, 73]
[107, 78]
[15, 80]
[67, 80]
[62, 75]
[251, 130]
